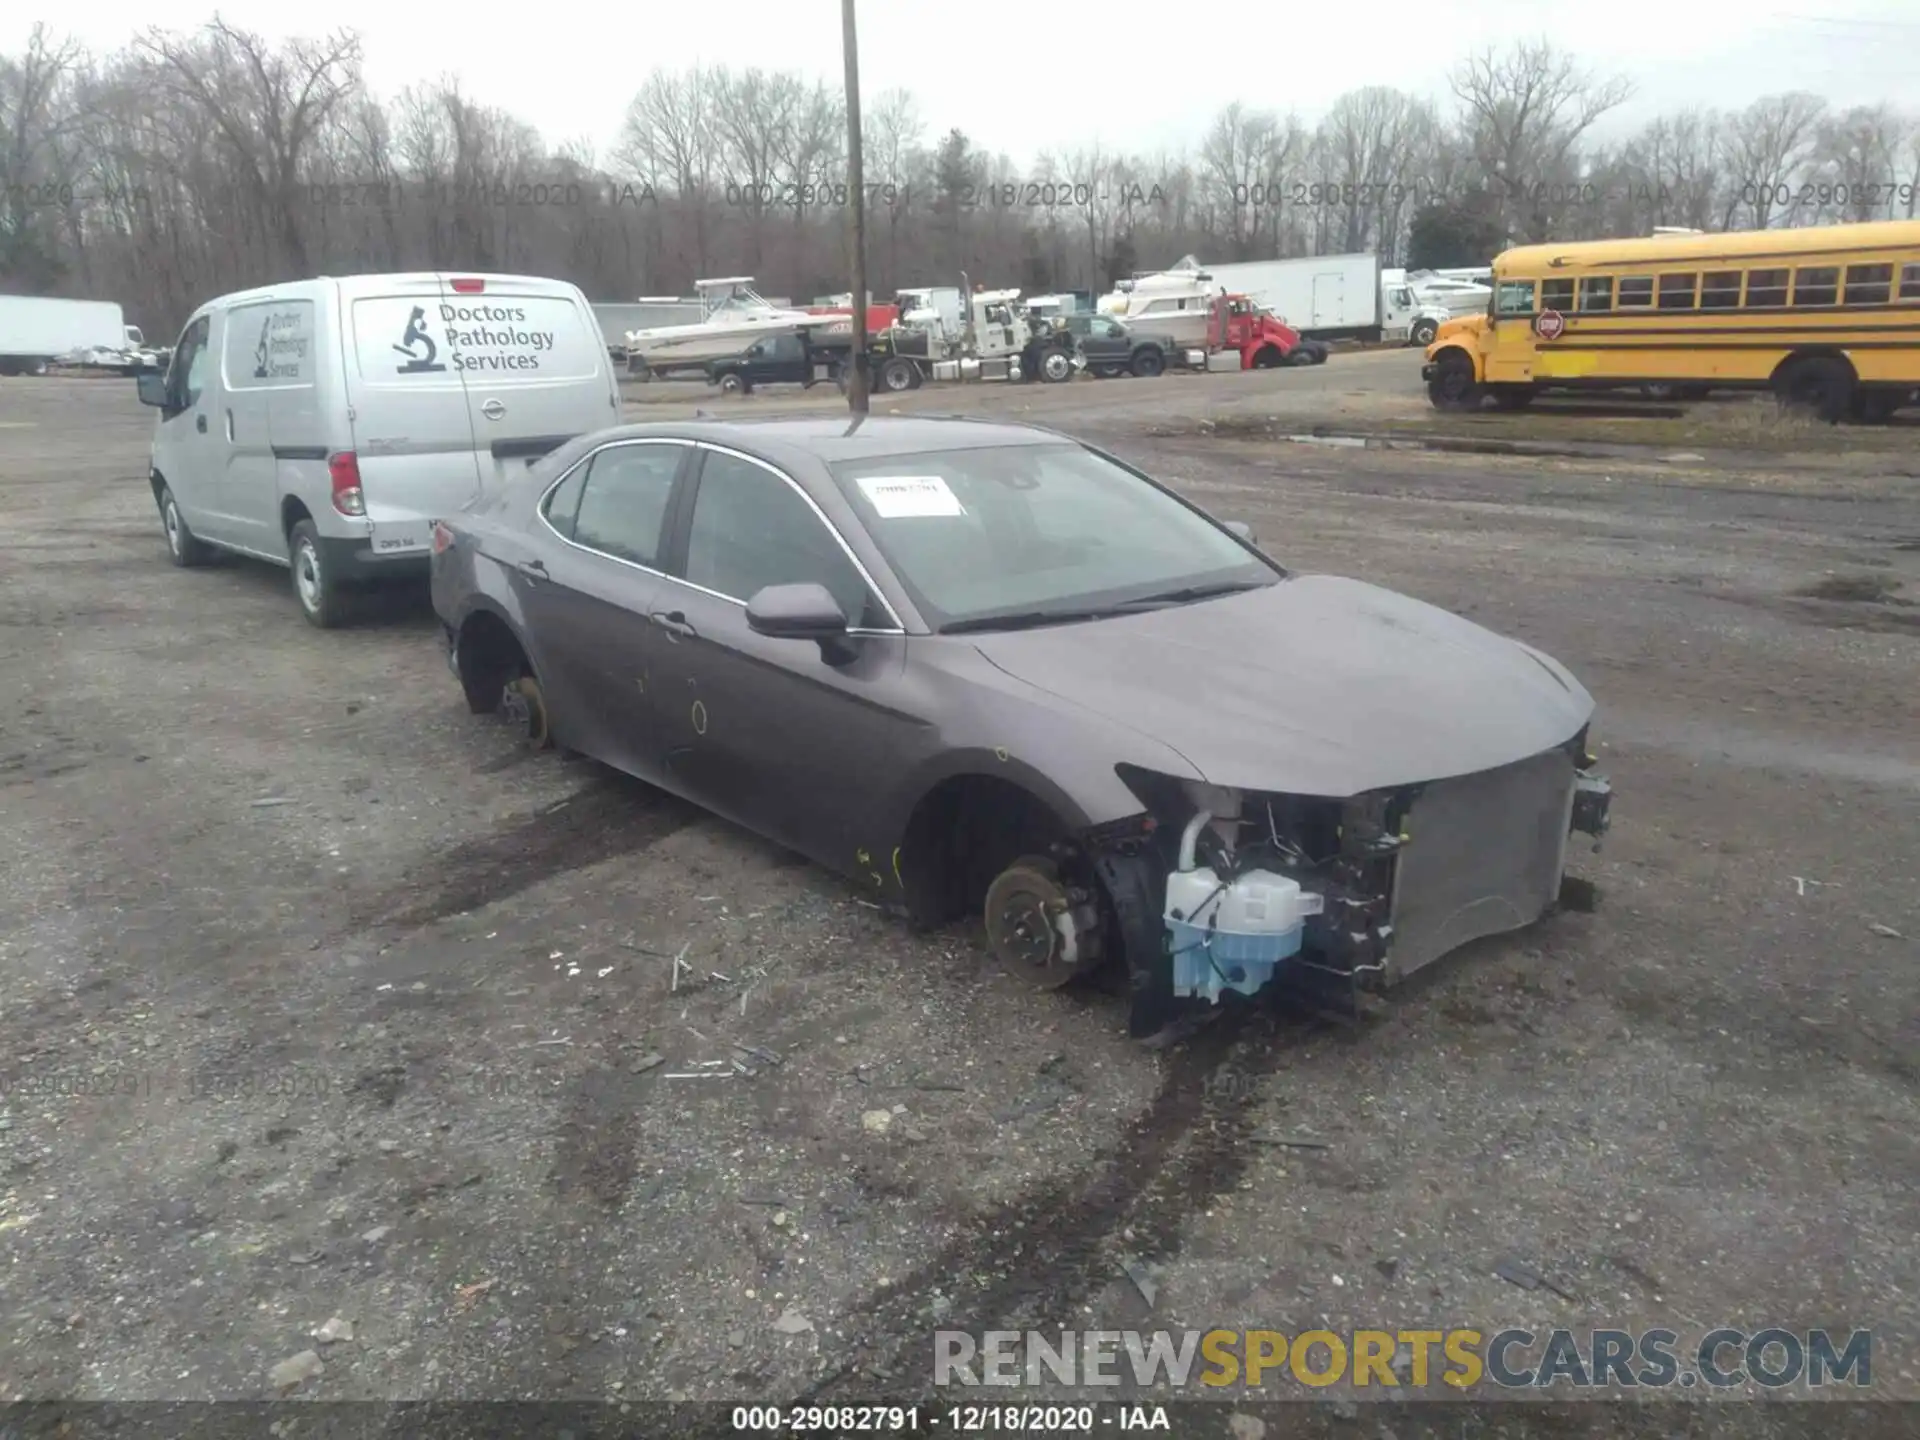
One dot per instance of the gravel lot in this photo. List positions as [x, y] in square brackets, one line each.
[319, 998]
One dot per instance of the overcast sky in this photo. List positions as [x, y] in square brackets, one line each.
[1001, 70]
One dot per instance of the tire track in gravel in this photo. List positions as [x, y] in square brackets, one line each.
[609, 817]
[1188, 1146]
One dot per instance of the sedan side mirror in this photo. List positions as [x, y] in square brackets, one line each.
[1241, 529]
[153, 389]
[801, 612]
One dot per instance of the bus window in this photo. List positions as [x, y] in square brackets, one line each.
[1677, 291]
[1556, 294]
[1596, 292]
[1636, 290]
[1816, 285]
[1766, 288]
[1869, 284]
[1720, 290]
[1910, 282]
[1514, 297]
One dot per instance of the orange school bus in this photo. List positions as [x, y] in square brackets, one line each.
[1827, 317]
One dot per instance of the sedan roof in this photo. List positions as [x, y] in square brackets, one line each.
[830, 439]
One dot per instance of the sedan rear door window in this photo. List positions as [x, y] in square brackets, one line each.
[563, 500]
[623, 506]
[752, 529]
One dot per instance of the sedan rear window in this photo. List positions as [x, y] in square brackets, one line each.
[1013, 529]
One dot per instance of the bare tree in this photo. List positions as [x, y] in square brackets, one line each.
[35, 163]
[1855, 156]
[896, 161]
[1242, 161]
[181, 167]
[1373, 149]
[668, 140]
[266, 107]
[1523, 115]
[811, 161]
[756, 114]
[1768, 146]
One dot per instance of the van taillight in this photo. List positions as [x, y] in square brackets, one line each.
[344, 471]
[442, 537]
[468, 287]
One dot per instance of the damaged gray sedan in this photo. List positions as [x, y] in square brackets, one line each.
[988, 670]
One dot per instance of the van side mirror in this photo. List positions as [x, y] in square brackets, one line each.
[153, 388]
[1241, 529]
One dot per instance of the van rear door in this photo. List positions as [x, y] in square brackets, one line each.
[411, 427]
[534, 363]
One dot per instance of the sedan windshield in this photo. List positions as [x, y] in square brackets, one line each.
[1037, 534]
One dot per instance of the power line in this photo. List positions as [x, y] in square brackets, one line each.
[1833, 23]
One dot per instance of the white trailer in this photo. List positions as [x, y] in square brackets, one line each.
[1325, 297]
[36, 331]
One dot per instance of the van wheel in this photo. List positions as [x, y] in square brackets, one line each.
[184, 548]
[320, 596]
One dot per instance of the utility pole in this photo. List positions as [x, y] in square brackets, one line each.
[856, 216]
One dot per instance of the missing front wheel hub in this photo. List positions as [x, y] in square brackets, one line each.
[1041, 929]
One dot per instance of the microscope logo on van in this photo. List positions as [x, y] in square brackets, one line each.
[284, 345]
[410, 343]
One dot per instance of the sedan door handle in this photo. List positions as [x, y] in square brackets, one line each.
[674, 622]
[534, 569]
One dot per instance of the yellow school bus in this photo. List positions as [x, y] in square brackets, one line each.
[1827, 317]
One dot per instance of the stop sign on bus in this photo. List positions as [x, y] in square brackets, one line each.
[1549, 324]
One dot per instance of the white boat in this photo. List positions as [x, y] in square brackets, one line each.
[732, 316]
[1458, 292]
[1176, 302]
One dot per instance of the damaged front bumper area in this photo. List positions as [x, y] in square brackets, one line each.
[1222, 893]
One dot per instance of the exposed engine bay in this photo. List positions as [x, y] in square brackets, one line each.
[1212, 896]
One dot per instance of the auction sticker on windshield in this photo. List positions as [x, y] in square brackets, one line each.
[910, 497]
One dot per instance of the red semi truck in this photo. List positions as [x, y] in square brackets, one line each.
[1261, 339]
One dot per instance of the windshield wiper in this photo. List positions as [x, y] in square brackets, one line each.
[1191, 592]
[1026, 620]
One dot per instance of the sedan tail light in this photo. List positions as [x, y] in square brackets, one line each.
[442, 537]
[343, 470]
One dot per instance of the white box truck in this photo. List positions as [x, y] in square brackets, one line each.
[36, 331]
[1336, 297]
[1328, 297]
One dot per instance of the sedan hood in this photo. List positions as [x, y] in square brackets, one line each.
[1315, 686]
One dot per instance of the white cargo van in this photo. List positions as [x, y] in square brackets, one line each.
[326, 424]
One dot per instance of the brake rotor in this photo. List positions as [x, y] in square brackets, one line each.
[1041, 929]
[524, 706]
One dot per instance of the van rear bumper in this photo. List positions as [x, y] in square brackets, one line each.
[356, 560]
